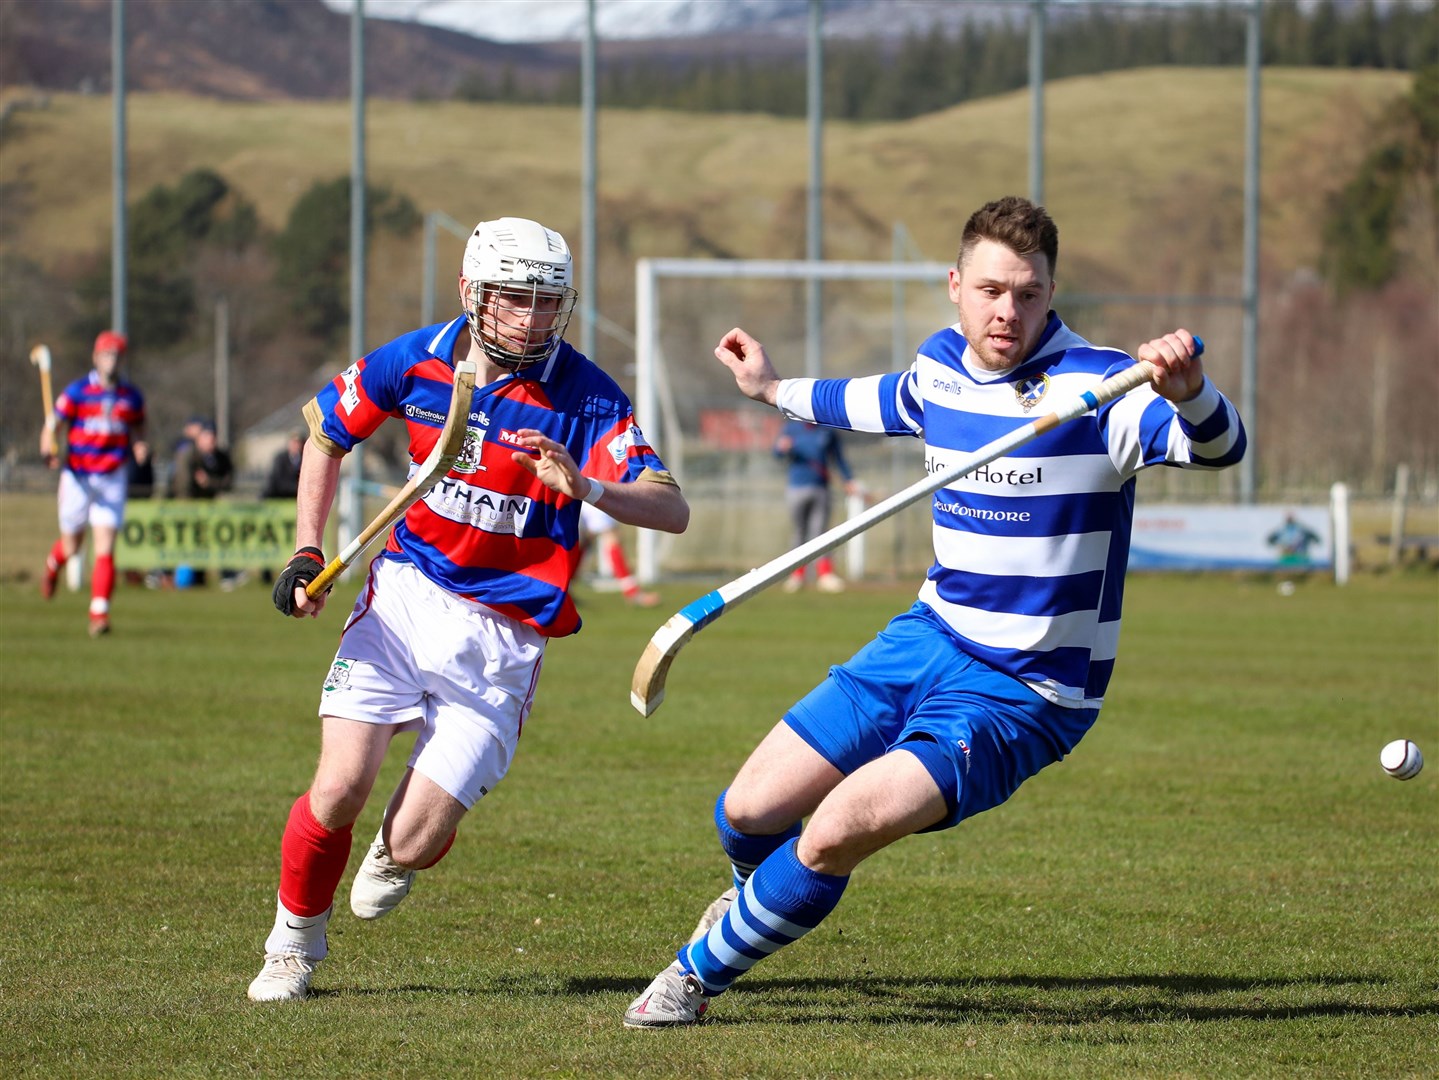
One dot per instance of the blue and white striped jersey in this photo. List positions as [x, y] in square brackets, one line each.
[1030, 551]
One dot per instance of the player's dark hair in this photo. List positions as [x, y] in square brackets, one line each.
[1020, 225]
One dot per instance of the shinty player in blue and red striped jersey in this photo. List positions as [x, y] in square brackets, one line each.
[100, 420]
[449, 631]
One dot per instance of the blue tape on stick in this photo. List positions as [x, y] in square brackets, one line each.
[705, 610]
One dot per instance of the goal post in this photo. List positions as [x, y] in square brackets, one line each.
[654, 401]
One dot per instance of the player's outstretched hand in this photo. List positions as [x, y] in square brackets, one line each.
[303, 568]
[1178, 371]
[551, 462]
[745, 357]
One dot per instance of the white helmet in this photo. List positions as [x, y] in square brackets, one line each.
[519, 295]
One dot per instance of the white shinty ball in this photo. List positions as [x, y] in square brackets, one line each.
[1401, 759]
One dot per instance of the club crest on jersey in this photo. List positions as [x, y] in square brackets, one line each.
[339, 676]
[1030, 392]
[469, 459]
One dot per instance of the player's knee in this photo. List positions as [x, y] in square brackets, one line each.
[832, 850]
[336, 804]
[418, 850]
[748, 812]
[406, 851]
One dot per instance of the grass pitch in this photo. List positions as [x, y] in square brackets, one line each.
[1220, 881]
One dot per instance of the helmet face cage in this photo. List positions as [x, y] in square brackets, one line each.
[517, 294]
[518, 323]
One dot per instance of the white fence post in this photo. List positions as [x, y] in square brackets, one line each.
[1339, 511]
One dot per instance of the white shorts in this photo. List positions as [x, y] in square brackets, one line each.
[594, 521]
[96, 499]
[421, 659]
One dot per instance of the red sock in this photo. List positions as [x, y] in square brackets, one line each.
[618, 566]
[312, 861]
[443, 852]
[104, 584]
[824, 565]
[56, 558]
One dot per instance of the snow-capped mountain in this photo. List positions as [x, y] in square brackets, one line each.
[564, 20]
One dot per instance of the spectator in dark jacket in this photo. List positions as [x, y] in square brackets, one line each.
[209, 470]
[284, 479]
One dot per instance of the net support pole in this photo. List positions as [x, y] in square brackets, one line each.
[647, 410]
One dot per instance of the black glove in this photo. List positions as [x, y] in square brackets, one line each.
[304, 568]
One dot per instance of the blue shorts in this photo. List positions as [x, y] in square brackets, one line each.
[978, 732]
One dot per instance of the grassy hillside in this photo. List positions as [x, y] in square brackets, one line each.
[1124, 151]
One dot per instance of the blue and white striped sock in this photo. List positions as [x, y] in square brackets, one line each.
[782, 901]
[746, 852]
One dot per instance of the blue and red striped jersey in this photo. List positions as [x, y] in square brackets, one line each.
[102, 421]
[490, 531]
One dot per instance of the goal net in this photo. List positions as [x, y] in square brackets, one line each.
[719, 443]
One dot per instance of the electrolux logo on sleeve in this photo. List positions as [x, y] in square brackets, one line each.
[429, 416]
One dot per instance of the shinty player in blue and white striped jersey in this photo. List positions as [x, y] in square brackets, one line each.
[1001, 665]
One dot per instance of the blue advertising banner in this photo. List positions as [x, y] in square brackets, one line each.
[1231, 538]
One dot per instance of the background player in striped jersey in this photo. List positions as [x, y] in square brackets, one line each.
[99, 419]
[448, 633]
[601, 531]
[1001, 665]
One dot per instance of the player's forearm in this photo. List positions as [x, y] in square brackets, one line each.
[849, 404]
[319, 479]
[648, 504]
[1212, 428]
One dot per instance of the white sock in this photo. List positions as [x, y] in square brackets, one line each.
[302, 934]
